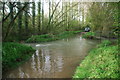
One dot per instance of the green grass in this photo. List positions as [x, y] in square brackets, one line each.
[51, 37]
[14, 54]
[101, 62]
[41, 38]
[89, 35]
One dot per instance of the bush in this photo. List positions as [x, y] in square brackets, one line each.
[14, 54]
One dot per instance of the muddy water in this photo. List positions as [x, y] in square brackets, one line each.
[57, 59]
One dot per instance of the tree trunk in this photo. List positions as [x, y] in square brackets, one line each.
[33, 16]
[39, 16]
[19, 22]
[26, 17]
[42, 27]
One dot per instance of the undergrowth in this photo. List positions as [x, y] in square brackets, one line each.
[89, 35]
[101, 62]
[14, 54]
[51, 37]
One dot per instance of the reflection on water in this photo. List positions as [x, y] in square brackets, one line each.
[57, 59]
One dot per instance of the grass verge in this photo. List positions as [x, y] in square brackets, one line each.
[89, 35]
[14, 54]
[101, 62]
[51, 37]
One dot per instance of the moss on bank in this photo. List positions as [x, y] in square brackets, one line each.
[51, 37]
[101, 62]
[14, 54]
